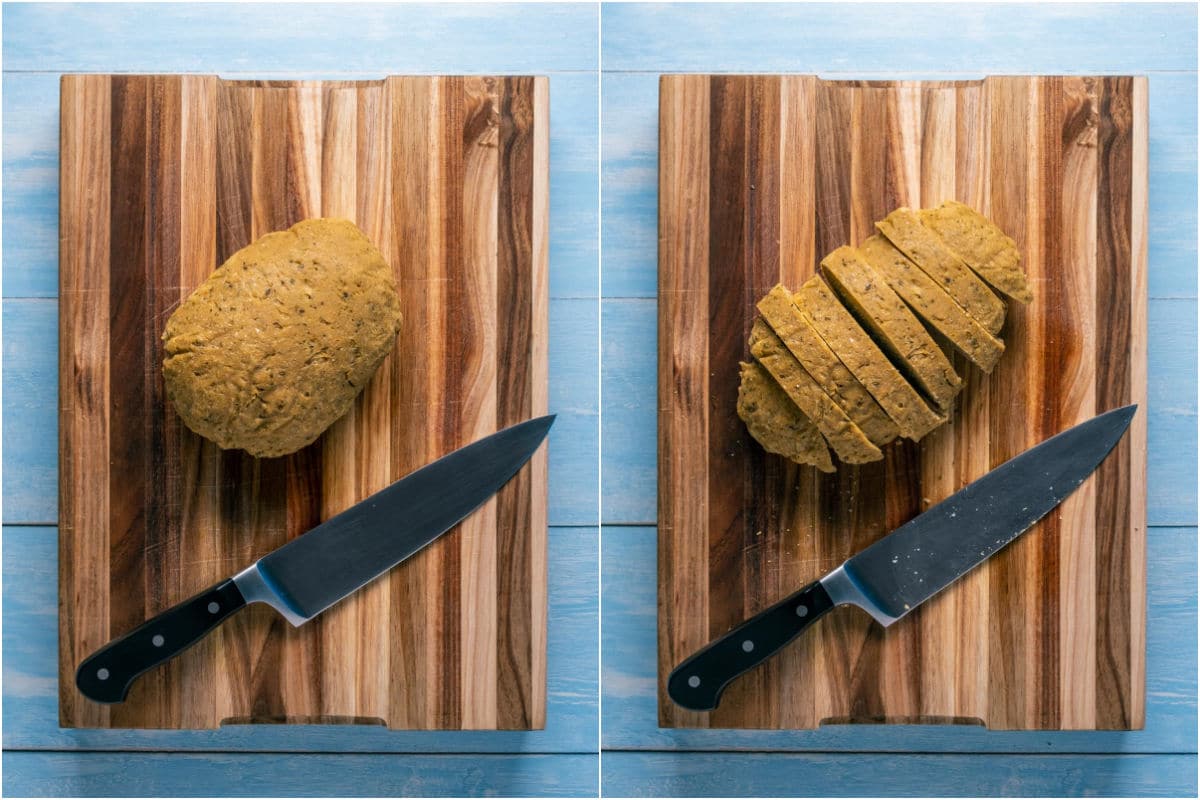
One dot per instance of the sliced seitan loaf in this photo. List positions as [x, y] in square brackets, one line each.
[865, 360]
[931, 303]
[982, 245]
[776, 423]
[885, 315]
[825, 367]
[903, 228]
[847, 439]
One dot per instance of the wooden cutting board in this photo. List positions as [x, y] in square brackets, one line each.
[760, 176]
[162, 178]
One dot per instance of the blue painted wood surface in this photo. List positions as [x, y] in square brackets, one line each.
[979, 38]
[308, 775]
[924, 775]
[630, 662]
[317, 39]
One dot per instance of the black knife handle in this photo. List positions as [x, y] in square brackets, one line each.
[697, 683]
[106, 675]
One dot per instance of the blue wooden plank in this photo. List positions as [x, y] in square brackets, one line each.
[30, 403]
[629, 667]
[862, 775]
[314, 39]
[1172, 156]
[310, 775]
[629, 185]
[31, 671]
[978, 37]
[30, 381]
[574, 185]
[574, 353]
[629, 416]
[630, 179]
[628, 434]
[31, 185]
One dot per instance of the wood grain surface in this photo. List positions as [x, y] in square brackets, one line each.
[759, 176]
[162, 179]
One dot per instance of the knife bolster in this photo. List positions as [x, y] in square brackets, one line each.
[257, 588]
[844, 590]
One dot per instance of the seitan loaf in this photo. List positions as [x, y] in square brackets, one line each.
[775, 421]
[825, 367]
[276, 344]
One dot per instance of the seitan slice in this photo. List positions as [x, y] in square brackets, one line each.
[825, 367]
[893, 325]
[931, 303]
[982, 245]
[847, 439]
[776, 423]
[865, 360]
[927, 250]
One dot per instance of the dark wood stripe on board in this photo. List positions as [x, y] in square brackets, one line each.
[130, 444]
[1113, 307]
[514, 401]
[726, 335]
[761, 538]
[163, 505]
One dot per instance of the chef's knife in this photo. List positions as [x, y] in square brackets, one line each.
[313, 571]
[914, 562]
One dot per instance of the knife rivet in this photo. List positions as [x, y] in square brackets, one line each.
[158, 640]
[694, 681]
[102, 674]
[801, 611]
[748, 645]
[213, 608]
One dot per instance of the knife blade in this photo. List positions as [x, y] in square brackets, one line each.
[328, 563]
[914, 562]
